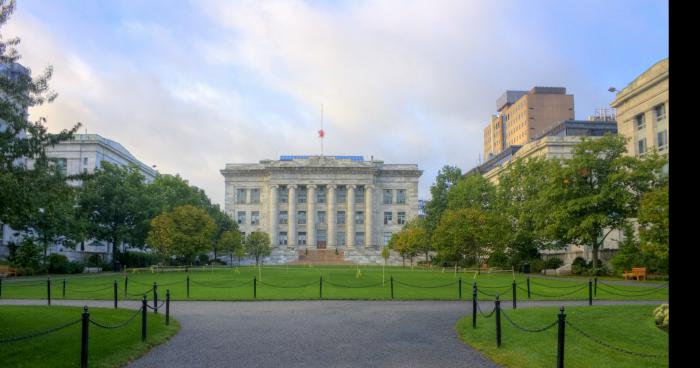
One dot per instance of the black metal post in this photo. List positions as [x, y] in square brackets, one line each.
[498, 322]
[590, 292]
[320, 287]
[115, 294]
[144, 314]
[84, 338]
[63, 293]
[560, 339]
[528, 287]
[0, 288]
[255, 287]
[392, 286]
[474, 305]
[48, 290]
[155, 298]
[167, 307]
[515, 295]
[460, 288]
[188, 286]
[595, 286]
[126, 284]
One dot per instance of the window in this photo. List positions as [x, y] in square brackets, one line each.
[360, 195]
[321, 217]
[255, 195]
[283, 195]
[240, 195]
[660, 112]
[359, 217]
[85, 161]
[401, 196]
[321, 237]
[387, 237]
[340, 237]
[640, 121]
[388, 196]
[321, 195]
[359, 238]
[662, 139]
[255, 218]
[642, 146]
[283, 217]
[241, 217]
[401, 218]
[340, 218]
[341, 195]
[283, 238]
[387, 218]
[301, 195]
[301, 218]
[301, 238]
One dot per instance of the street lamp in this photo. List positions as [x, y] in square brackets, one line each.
[612, 89]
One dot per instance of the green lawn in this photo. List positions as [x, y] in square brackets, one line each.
[626, 327]
[339, 282]
[107, 347]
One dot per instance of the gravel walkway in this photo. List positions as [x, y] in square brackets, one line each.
[317, 333]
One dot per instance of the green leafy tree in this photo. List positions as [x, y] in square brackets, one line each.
[446, 178]
[115, 202]
[472, 191]
[230, 242]
[184, 232]
[629, 253]
[653, 225]
[468, 233]
[385, 255]
[21, 140]
[596, 190]
[257, 245]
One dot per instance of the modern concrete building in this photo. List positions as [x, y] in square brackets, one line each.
[523, 115]
[643, 110]
[323, 202]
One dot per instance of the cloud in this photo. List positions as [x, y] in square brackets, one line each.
[219, 82]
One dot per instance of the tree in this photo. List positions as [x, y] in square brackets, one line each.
[596, 190]
[653, 225]
[385, 255]
[230, 241]
[184, 232]
[468, 233]
[224, 224]
[21, 139]
[472, 191]
[257, 245]
[446, 178]
[115, 202]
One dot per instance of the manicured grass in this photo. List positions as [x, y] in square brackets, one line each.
[339, 282]
[107, 347]
[629, 327]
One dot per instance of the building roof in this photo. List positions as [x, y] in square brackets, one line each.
[655, 73]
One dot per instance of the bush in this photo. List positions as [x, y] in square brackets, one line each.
[499, 259]
[134, 260]
[59, 264]
[553, 262]
[536, 265]
[661, 316]
[203, 258]
[94, 260]
[579, 266]
[26, 256]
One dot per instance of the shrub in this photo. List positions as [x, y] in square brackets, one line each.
[661, 314]
[94, 260]
[26, 256]
[536, 265]
[553, 262]
[135, 259]
[203, 258]
[579, 266]
[58, 263]
[499, 259]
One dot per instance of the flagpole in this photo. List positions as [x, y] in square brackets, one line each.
[322, 130]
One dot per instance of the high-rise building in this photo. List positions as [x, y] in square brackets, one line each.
[522, 115]
[643, 111]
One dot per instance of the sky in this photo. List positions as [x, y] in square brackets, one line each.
[190, 86]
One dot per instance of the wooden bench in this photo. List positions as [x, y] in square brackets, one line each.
[637, 273]
[7, 271]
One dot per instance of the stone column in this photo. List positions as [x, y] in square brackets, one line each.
[292, 215]
[350, 216]
[311, 216]
[330, 216]
[274, 220]
[369, 215]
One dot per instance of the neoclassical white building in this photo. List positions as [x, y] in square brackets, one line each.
[322, 202]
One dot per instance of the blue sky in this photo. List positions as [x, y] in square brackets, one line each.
[193, 85]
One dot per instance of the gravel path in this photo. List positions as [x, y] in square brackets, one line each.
[317, 333]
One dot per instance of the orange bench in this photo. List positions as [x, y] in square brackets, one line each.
[637, 273]
[7, 271]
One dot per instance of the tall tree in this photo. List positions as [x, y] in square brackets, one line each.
[230, 242]
[653, 225]
[183, 232]
[21, 139]
[115, 203]
[257, 245]
[597, 189]
[446, 178]
[472, 191]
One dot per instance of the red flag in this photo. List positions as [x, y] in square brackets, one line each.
[321, 133]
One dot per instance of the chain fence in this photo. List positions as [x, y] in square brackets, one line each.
[425, 287]
[39, 333]
[519, 327]
[119, 325]
[621, 350]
